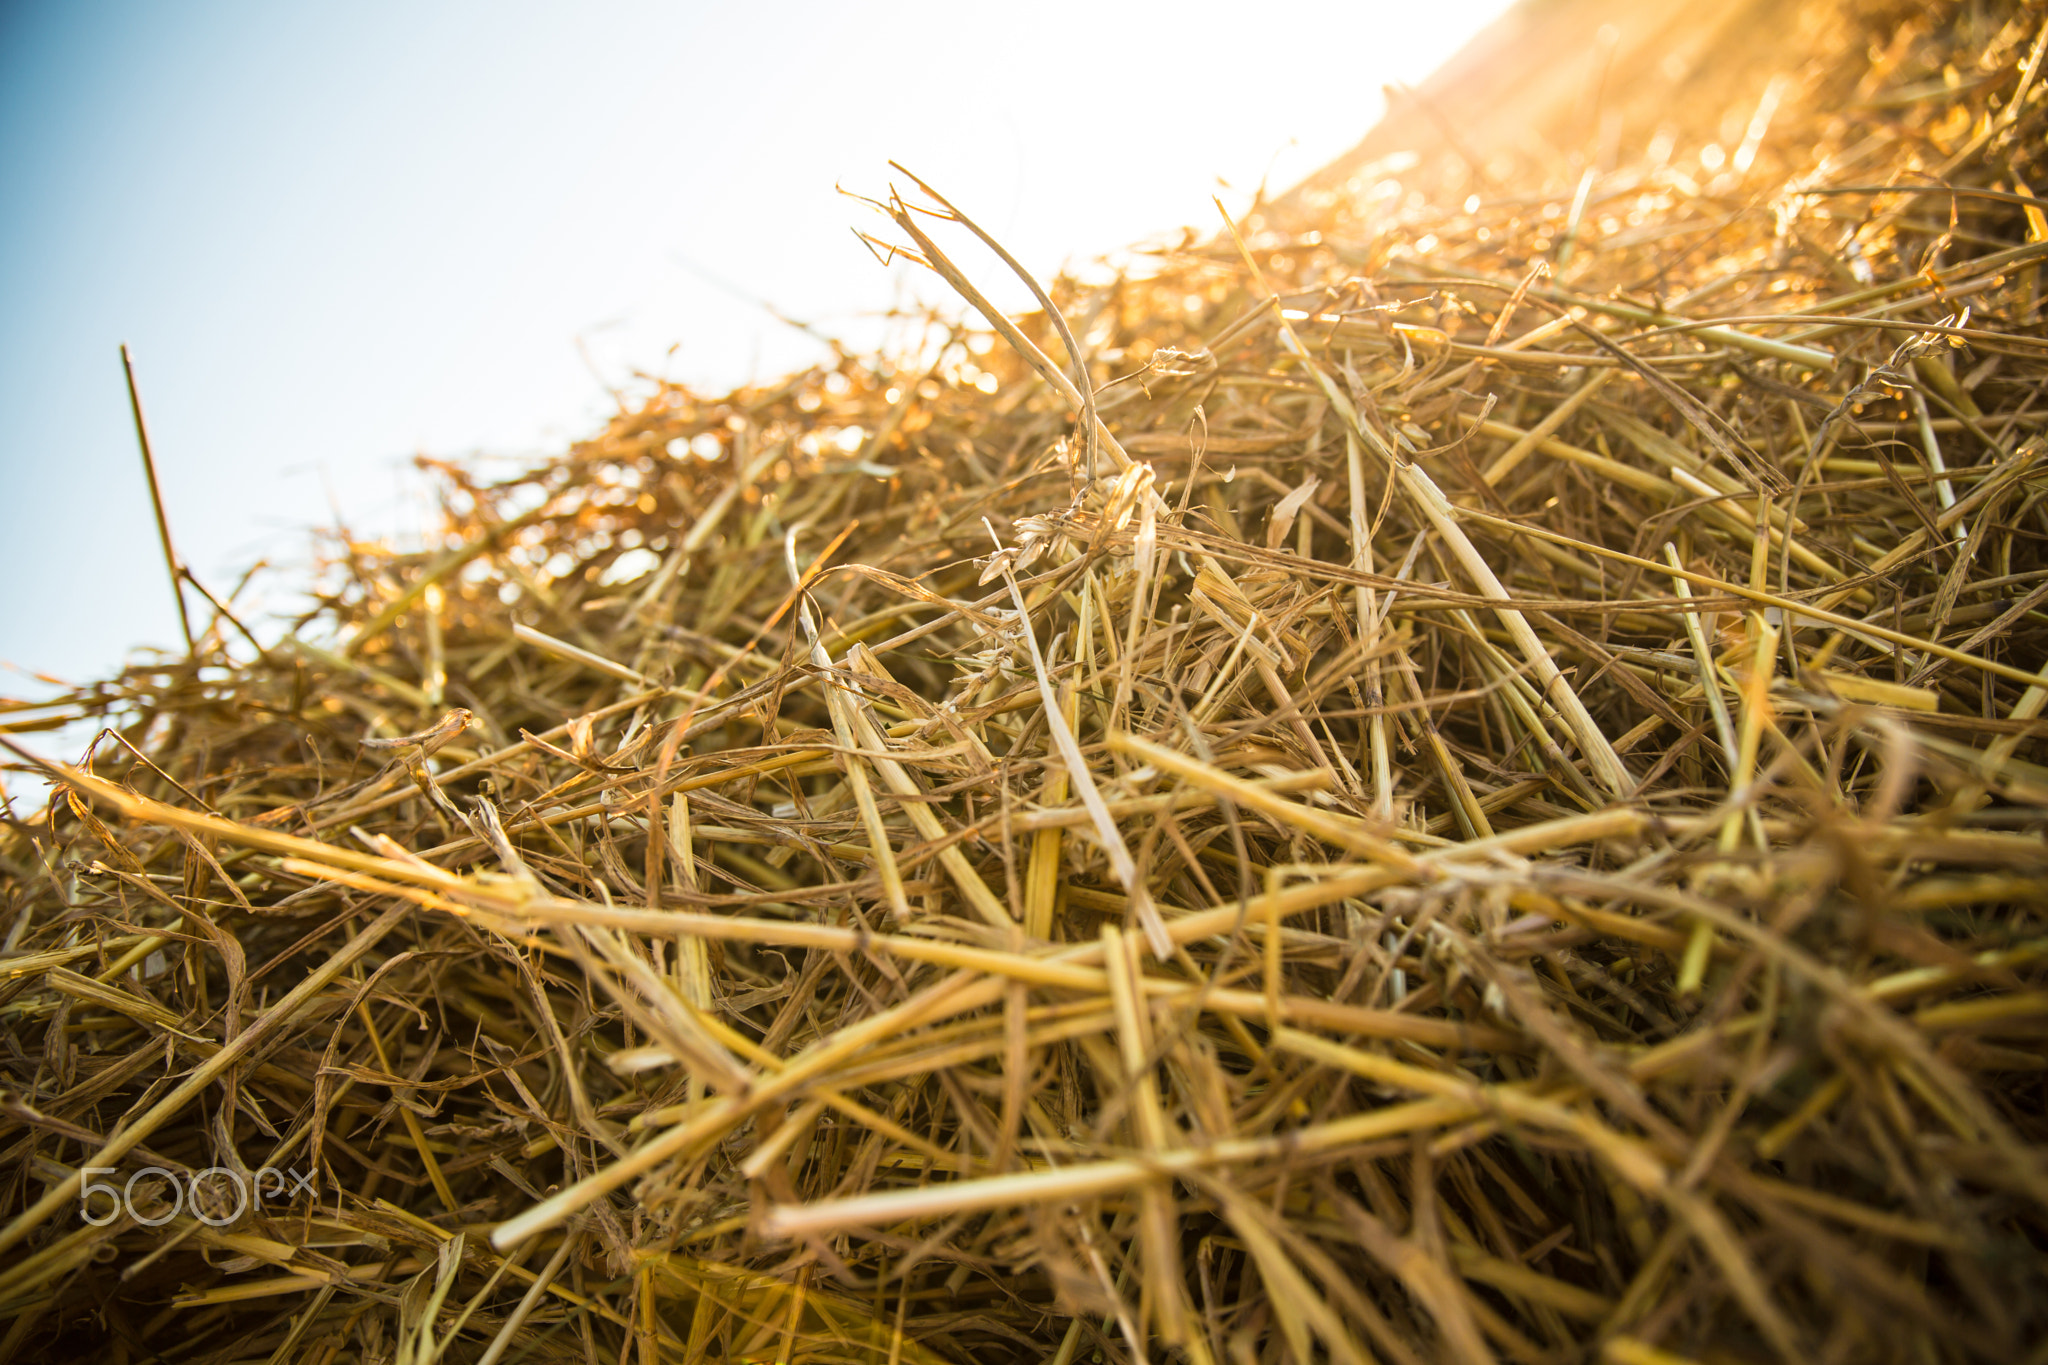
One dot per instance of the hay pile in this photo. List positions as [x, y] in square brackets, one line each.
[1476, 814]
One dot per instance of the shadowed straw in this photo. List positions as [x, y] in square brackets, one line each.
[1486, 803]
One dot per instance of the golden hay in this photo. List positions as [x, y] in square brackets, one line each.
[1468, 812]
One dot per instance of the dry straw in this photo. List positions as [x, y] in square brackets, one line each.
[1485, 803]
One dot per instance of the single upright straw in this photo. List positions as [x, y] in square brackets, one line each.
[156, 499]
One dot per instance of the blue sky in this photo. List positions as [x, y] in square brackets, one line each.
[339, 235]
